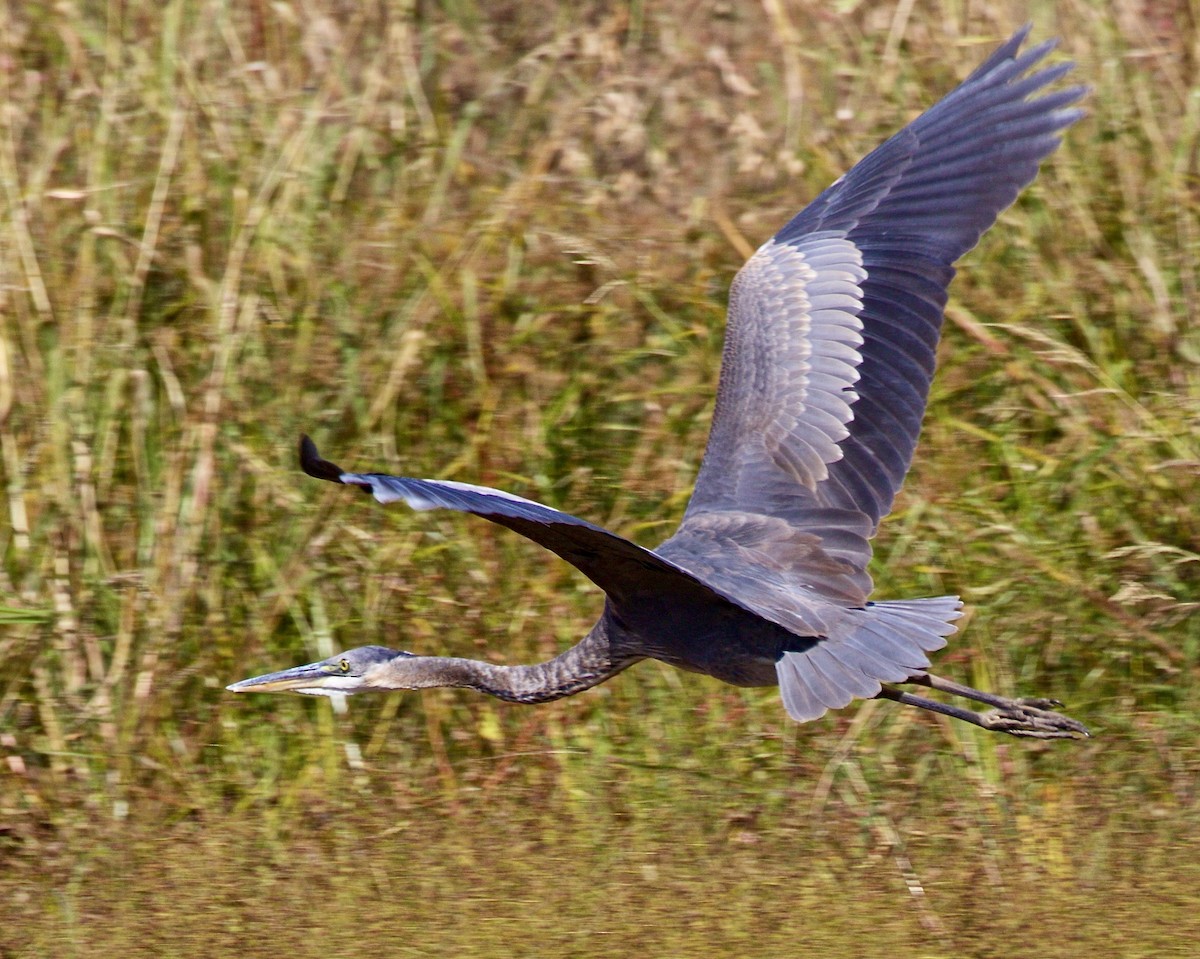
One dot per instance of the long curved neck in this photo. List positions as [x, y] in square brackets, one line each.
[589, 662]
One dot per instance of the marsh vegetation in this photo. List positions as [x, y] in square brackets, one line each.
[491, 243]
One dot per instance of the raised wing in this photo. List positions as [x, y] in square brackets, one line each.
[834, 323]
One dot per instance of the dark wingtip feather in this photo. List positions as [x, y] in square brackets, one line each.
[1010, 49]
[313, 465]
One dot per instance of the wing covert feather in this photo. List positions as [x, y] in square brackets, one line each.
[790, 364]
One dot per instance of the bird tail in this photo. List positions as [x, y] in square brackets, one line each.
[883, 642]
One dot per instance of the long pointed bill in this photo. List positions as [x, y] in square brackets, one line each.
[312, 679]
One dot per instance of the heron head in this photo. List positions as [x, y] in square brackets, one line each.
[348, 672]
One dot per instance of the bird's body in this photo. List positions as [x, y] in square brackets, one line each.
[829, 353]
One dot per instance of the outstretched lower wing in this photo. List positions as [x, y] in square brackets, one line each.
[622, 569]
[834, 323]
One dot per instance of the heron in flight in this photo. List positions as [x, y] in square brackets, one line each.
[829, 351]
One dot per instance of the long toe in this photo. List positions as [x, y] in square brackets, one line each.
[1032, 719]
[1038, 703]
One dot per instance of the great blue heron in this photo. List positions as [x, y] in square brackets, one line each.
[830, 348]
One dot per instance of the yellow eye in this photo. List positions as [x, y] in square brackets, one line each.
[344, 665]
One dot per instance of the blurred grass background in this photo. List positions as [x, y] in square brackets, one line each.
[492, 242]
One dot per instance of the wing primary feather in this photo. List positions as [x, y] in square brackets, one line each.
[322, 469]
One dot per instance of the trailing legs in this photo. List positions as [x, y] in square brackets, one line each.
[1032, 718]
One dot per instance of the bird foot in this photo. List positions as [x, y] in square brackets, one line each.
[1033, 719]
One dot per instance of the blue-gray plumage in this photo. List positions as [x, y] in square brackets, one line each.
[829, 353]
